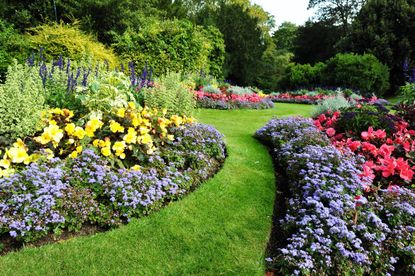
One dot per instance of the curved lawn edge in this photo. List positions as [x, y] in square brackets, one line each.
[221, 228]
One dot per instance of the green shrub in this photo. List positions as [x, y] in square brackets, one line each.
[364, 73]
[21, 102]
[13, 46]
[332, 104]
[238, 90]
[303, 75]
[170, 93]
[211, 89]
[407, 93]
[69, 41]
[359, 119]
[173, 45]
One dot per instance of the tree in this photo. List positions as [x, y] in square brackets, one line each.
[244, 42]
[285, 36]
[338, 11]
[385, 28]
[315, 41]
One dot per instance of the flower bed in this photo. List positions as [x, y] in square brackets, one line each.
[331, 226]
[229, 100]
[101, 172]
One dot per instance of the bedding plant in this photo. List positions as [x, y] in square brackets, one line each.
[101, 164]
[333, 224]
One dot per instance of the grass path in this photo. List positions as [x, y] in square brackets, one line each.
[221, 228]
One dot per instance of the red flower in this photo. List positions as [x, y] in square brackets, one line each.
[353, 146]
[366, 146]
[386, 150]
[388, 166]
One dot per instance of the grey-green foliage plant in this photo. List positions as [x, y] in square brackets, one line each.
[332, 104]
[170, 93]
[22, 100]
[211, 89]
[237, 90]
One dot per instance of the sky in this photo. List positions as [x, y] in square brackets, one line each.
[286, 10]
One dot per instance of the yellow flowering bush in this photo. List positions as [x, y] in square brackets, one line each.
[123, 136]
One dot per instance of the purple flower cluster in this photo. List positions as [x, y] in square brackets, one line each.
[330, 227]
[65, 194]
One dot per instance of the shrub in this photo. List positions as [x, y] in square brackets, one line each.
[173, 45]
[332, 104]
[303, 75]
[407, 112]
[358, 119]
[69, 41]
[364, 73]
[13, 46]
[21, 102]
[170, 94]
[408, 94]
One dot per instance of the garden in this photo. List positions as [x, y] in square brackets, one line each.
[152, 140]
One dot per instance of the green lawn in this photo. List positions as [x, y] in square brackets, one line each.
[221, 228]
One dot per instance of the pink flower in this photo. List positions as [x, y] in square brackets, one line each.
[331, 132]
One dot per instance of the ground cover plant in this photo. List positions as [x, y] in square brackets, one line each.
[332, 223]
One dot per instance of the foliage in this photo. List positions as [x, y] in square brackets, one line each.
[109, 92]
[173, 45]
[285, 36]
[360, 72]
[407, 93]
[14, 46]
[341, 12]
[303, 75]
[243, 40]
[238, 90]
[21, 101]
[69, 41]
[407, 112]
[211, 89]
[170, 94]
[316, 42]
[332, 104]
[385, 29]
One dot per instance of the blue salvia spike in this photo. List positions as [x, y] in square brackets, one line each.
[122, 68]
[68, 66]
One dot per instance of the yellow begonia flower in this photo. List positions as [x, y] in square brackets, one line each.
[121, 113]
[150, 151]
[136, 168]
[70, 128]
[122, 155]
[96, 142]
[116, 127]
[79, 149]
[6, 173]
[177, 120]
[79, 133]
[68, 114]
[132, 105]
[5, 163]
[119, 146]
[106, 151]
[136, 121]
[73, 154]
[17, 154]
[145, 139]
[131, 136]
[170, 137]
[71, 141]
[91, 126]
[51, 133]
[49, 153]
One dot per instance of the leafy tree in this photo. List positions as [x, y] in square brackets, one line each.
[244, 42]
[315, 41]
[338, 11]
[285, 36]
[385, 28]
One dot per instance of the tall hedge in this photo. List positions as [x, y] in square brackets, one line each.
[173, 45]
